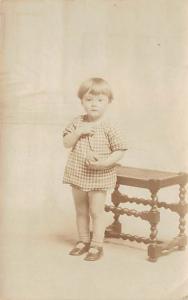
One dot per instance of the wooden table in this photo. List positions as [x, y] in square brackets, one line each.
[153, 181]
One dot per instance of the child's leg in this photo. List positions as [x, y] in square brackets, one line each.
[82, 214]
[96, 205]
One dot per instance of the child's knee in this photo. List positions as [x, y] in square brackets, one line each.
[82, 213]
[95, 214]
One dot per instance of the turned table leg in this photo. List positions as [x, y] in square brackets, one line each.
[154, 218]
[182, 213]
[115, 227]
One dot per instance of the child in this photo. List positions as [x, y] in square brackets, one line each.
[96, 146]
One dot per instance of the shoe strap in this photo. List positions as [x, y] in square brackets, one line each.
[95, 248]
[82, 243]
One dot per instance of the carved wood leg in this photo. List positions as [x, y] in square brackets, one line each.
[182, 222]
[115, 227]
[154, 250]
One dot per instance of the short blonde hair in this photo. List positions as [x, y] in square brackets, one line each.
[95, 86]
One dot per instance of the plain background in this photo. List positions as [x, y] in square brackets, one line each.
[47, 48]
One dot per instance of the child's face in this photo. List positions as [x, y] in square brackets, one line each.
[95, 105]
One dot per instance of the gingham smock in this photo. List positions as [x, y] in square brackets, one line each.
[105, 140]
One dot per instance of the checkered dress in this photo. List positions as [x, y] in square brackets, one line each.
[105, 140]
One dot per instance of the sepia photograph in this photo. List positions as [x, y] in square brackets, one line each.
[93, 149]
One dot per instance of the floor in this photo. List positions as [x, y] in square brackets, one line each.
[35, 264]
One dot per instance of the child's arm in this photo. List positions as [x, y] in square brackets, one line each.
[106, 163]
[71, 138]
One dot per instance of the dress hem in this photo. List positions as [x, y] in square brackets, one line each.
[90, 189]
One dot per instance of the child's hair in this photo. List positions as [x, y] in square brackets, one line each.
[95, 86]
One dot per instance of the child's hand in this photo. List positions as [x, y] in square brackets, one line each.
[91, 157]
[100, 164]
[107, 162]
[85, 128]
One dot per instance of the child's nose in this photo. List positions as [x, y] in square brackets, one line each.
[94, 102]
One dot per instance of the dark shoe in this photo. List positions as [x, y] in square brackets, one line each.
[94, 255]
[80, 250]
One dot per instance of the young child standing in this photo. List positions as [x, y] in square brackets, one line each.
[96, 146]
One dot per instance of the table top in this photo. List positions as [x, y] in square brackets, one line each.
[144, 177]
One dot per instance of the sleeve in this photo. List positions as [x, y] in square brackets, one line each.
[116, 139]
[71, 126]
